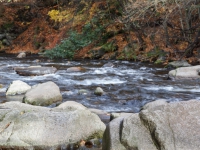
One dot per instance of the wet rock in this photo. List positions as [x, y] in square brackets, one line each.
[177, 64]
[75, 69]
[83, 92]
[17, 87]
[185, 73]
[33, 127]
[43, 94]
[35, 70]
[99, 91]
[21, 55]
[108, 65]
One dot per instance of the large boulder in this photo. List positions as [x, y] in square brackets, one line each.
[161, 126]
[136, 135]
[34, 70]
[43, 94]
[175, 125]
[17, 87]
[25, 126]
[185, 73]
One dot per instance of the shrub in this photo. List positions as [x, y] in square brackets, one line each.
[75, 41]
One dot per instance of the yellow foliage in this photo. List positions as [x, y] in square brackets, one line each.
[54, 14]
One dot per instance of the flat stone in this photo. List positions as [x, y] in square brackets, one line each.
[35, 70]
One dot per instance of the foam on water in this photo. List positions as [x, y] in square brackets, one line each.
[156, 88]
[105, 81]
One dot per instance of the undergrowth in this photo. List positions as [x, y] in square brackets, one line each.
[91, 32]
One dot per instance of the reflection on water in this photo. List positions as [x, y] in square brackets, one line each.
[127, 85]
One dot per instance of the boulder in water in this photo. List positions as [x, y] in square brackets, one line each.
[17, 87]
[185, 73]
[99, 91]
[108, 65]
[35, 70]
[43, 94]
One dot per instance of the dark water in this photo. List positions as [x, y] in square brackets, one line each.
[128, 85]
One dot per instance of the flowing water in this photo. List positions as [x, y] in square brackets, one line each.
[128, 85]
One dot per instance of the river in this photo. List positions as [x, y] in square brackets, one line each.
[128, 85]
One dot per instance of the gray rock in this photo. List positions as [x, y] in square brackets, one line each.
[21, 55]
[83, 92]
[15, 97]
[176, 126]
[24, 126]
[135, 135]
[160, 125]
[158, 104]
[70, 106]
[177, 64]
[116, 115]
[111, 137]
[35, 70]
[17, 87]
[185, 73]
[43, 94]
[108, 65]
[103, 115]
[99, 91]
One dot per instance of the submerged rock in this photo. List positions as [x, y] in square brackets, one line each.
[35, 70]
[75, 69]
[43, 94]
[17, 87]
[33, 127]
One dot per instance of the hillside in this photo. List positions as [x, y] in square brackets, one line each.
[158, 31]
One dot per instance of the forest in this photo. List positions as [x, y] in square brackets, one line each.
[157, 31]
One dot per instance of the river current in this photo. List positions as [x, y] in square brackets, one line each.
[128, 85]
